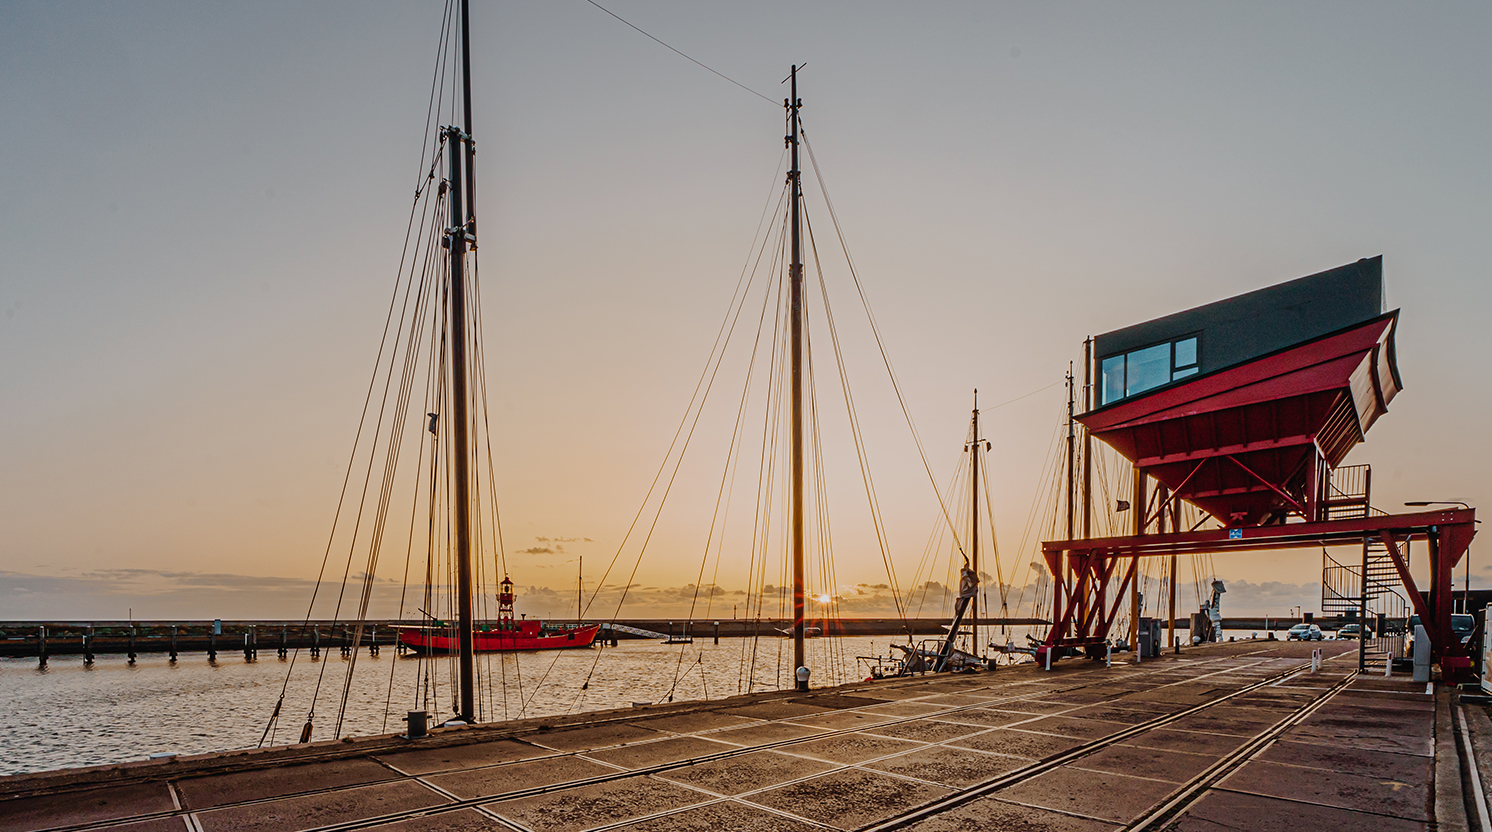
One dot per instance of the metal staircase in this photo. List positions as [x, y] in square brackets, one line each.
[1342, 584]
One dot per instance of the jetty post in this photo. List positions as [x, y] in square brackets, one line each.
[41, 646]
[132, 644]
[173, 643]
[88, 646]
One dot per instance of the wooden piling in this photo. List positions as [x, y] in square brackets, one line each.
[212, 644]
[88, 647]
[173, 643]
[41, 646]
[132, 644]
[717, 632]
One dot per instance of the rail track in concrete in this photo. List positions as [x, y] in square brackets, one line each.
[482, 804]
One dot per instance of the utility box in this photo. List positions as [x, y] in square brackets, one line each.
[1486, 653]
[1421, 654]
[1149, 645]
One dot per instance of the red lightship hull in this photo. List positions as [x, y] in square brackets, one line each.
[526, 635]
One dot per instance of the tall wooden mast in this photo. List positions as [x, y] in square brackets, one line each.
[795, 278]
[978, 648]
[461, 151]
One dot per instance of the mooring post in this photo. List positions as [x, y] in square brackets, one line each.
[315, 642]
[283, 638]
[173, 642]
[41, 646]
[717, 632]
[88, 646]
[373, 641]
[212, 644]
[250, 645]
[132, 644]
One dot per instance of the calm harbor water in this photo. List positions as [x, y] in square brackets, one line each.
[70, 715]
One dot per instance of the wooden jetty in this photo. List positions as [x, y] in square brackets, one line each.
[1225, 736]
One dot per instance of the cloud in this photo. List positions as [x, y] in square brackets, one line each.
[537, 550]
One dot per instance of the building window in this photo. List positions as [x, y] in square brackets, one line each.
[1132, 373]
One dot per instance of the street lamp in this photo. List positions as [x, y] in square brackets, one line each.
[1466, 593]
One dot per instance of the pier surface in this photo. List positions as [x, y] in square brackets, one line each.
[1230, 736]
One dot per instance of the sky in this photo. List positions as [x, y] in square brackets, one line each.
[205, 204]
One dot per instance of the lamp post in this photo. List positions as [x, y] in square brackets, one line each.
[1466, 591]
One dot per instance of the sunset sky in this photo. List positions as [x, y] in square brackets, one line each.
[205, 203]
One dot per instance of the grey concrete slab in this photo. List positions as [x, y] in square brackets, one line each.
[644, 754]
[310, 811]
[1331, 756]
[925, 730]
[1422, 745]
[1196, 742]
[1070, 726]
[465, 820]
[486, 782]
[904, 708]
[747, 772]
[691, 723]
[839, 720]
[1344, 790]
[848, 799]
[984, 717]
[427, 760]
[1018, 743]
[777, 709]
[961, 699]
[765, 733]
[171, 824]
[1101, 795]
[18, 815]
[1032, 706]
[593, 736]
[1171, 766]
[570, 810]
[1115, 713]
[1230, 811]
[849, 748]
[955, 767]
[898, 693]
[1393, 701]
[1221, 720]
[993, 815]
[255, 784]
[725, 816]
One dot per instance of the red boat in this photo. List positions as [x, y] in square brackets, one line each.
[504, 636]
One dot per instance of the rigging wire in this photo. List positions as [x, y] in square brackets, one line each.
[681, 54]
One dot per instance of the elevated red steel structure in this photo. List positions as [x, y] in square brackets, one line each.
[1253, 444]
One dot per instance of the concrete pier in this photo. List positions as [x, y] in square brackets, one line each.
[1229, 736]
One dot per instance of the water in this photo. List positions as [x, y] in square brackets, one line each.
[70, 715]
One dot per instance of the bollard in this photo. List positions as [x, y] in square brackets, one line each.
[1108, 655]
[41, 646]
[418, 725]
[283, 644]
[373, 641]
[88, 647]
[1049, 657]
[315, 642]
[717, 632]
[173, 643]
[250, 647]
[1388, 664]
[212, 644]
[132, 644]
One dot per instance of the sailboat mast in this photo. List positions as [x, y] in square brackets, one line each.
[974, 521]
[795, 279]
[460, 149]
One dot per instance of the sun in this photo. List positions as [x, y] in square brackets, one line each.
[824, 599]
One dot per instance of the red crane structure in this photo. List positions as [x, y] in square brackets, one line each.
[1245, 408]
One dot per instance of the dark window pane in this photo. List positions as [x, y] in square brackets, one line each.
[1113, 379]
[1186, 352]
[1147, 368]
[1187, 372]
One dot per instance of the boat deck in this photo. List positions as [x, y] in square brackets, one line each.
[1228, 736]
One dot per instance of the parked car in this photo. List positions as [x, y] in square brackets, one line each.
[1349, 631]
[1462, 625]
[1304, 632]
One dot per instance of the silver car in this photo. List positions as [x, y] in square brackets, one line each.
[1304, 632]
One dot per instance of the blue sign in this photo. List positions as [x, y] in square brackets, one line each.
[1235, 534]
